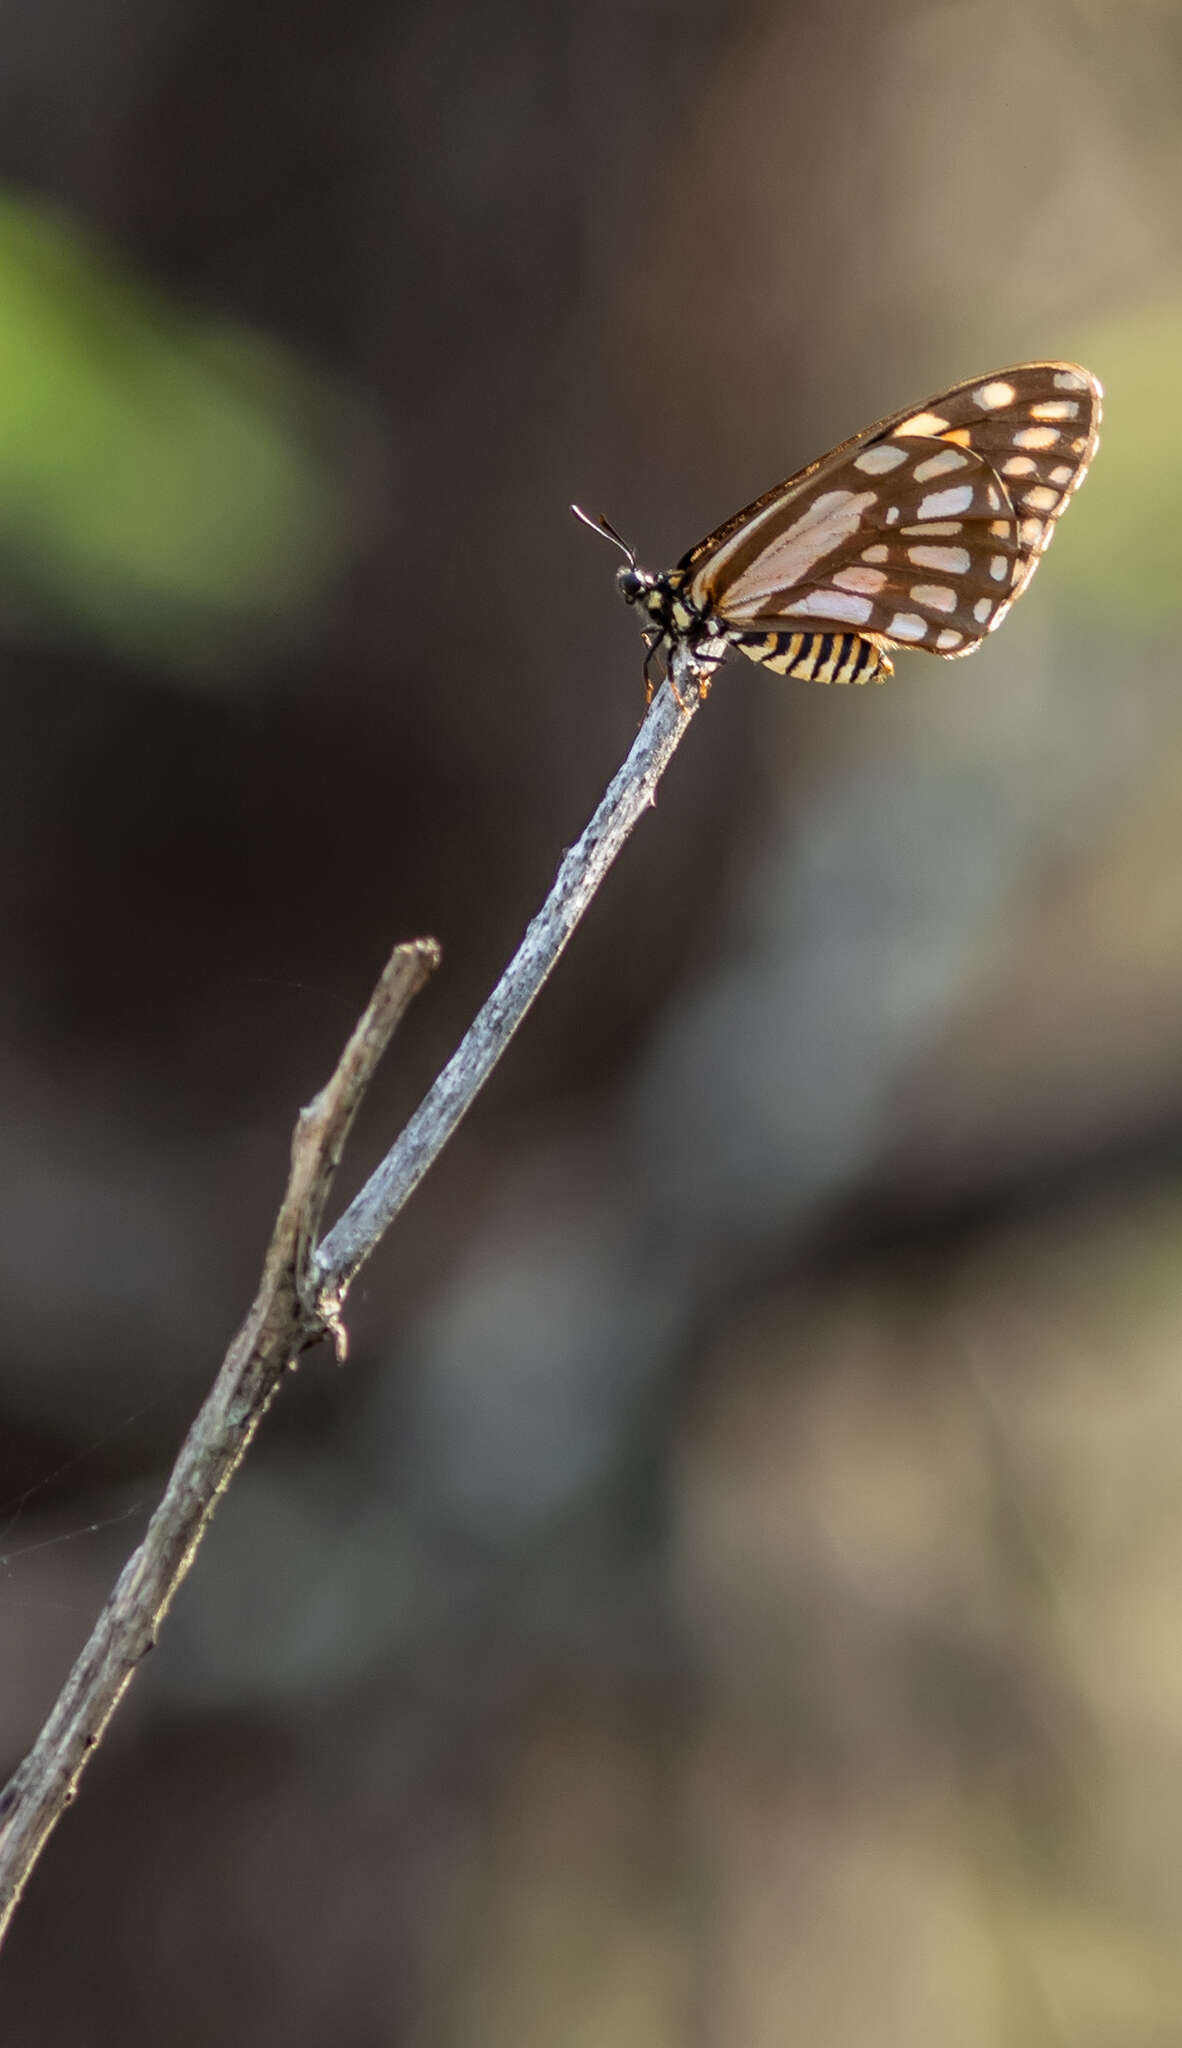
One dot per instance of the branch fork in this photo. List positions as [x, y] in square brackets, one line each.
[305, 1279]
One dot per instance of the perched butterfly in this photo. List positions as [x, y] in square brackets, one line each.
[919, 532]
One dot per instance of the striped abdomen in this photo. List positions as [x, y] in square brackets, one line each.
[816, 657]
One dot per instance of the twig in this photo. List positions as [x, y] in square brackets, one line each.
[284, 1318]
[302, 1290]
[583, 868]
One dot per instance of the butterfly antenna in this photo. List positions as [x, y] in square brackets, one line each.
[601, 525]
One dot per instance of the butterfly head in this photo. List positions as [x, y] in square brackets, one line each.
[634, 585]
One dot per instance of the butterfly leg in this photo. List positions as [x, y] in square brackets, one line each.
[653, 641]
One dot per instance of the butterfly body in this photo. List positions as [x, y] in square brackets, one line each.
[674, 618]
[677, 620]
[921, 531]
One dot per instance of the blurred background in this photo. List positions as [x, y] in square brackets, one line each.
[733, 1595]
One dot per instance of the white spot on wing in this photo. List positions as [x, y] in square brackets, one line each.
[939, 465]
[878, 553]
[999, 567]
[982, 609]
[995, 394]
[1070, 380]
[1041, 498]
[1055, 409]
[938, 597]
[945, 504]
[1062, 474]
[907, 626]
[878, 460]
[826, 507]
[948, 638]
[1036, 437]
[831, 604]
[950, 561]
[1019, 465]
[867, 581]
[922, 423]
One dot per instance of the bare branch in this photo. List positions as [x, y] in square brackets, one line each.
[352, 1239]
[302, 1288]
[283, 1320]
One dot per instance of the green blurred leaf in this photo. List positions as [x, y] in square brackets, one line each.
[1121, 547]
[169, 485]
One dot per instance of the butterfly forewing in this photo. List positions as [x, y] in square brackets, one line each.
[921, 530]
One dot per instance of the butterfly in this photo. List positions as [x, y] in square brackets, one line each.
[918, 532]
